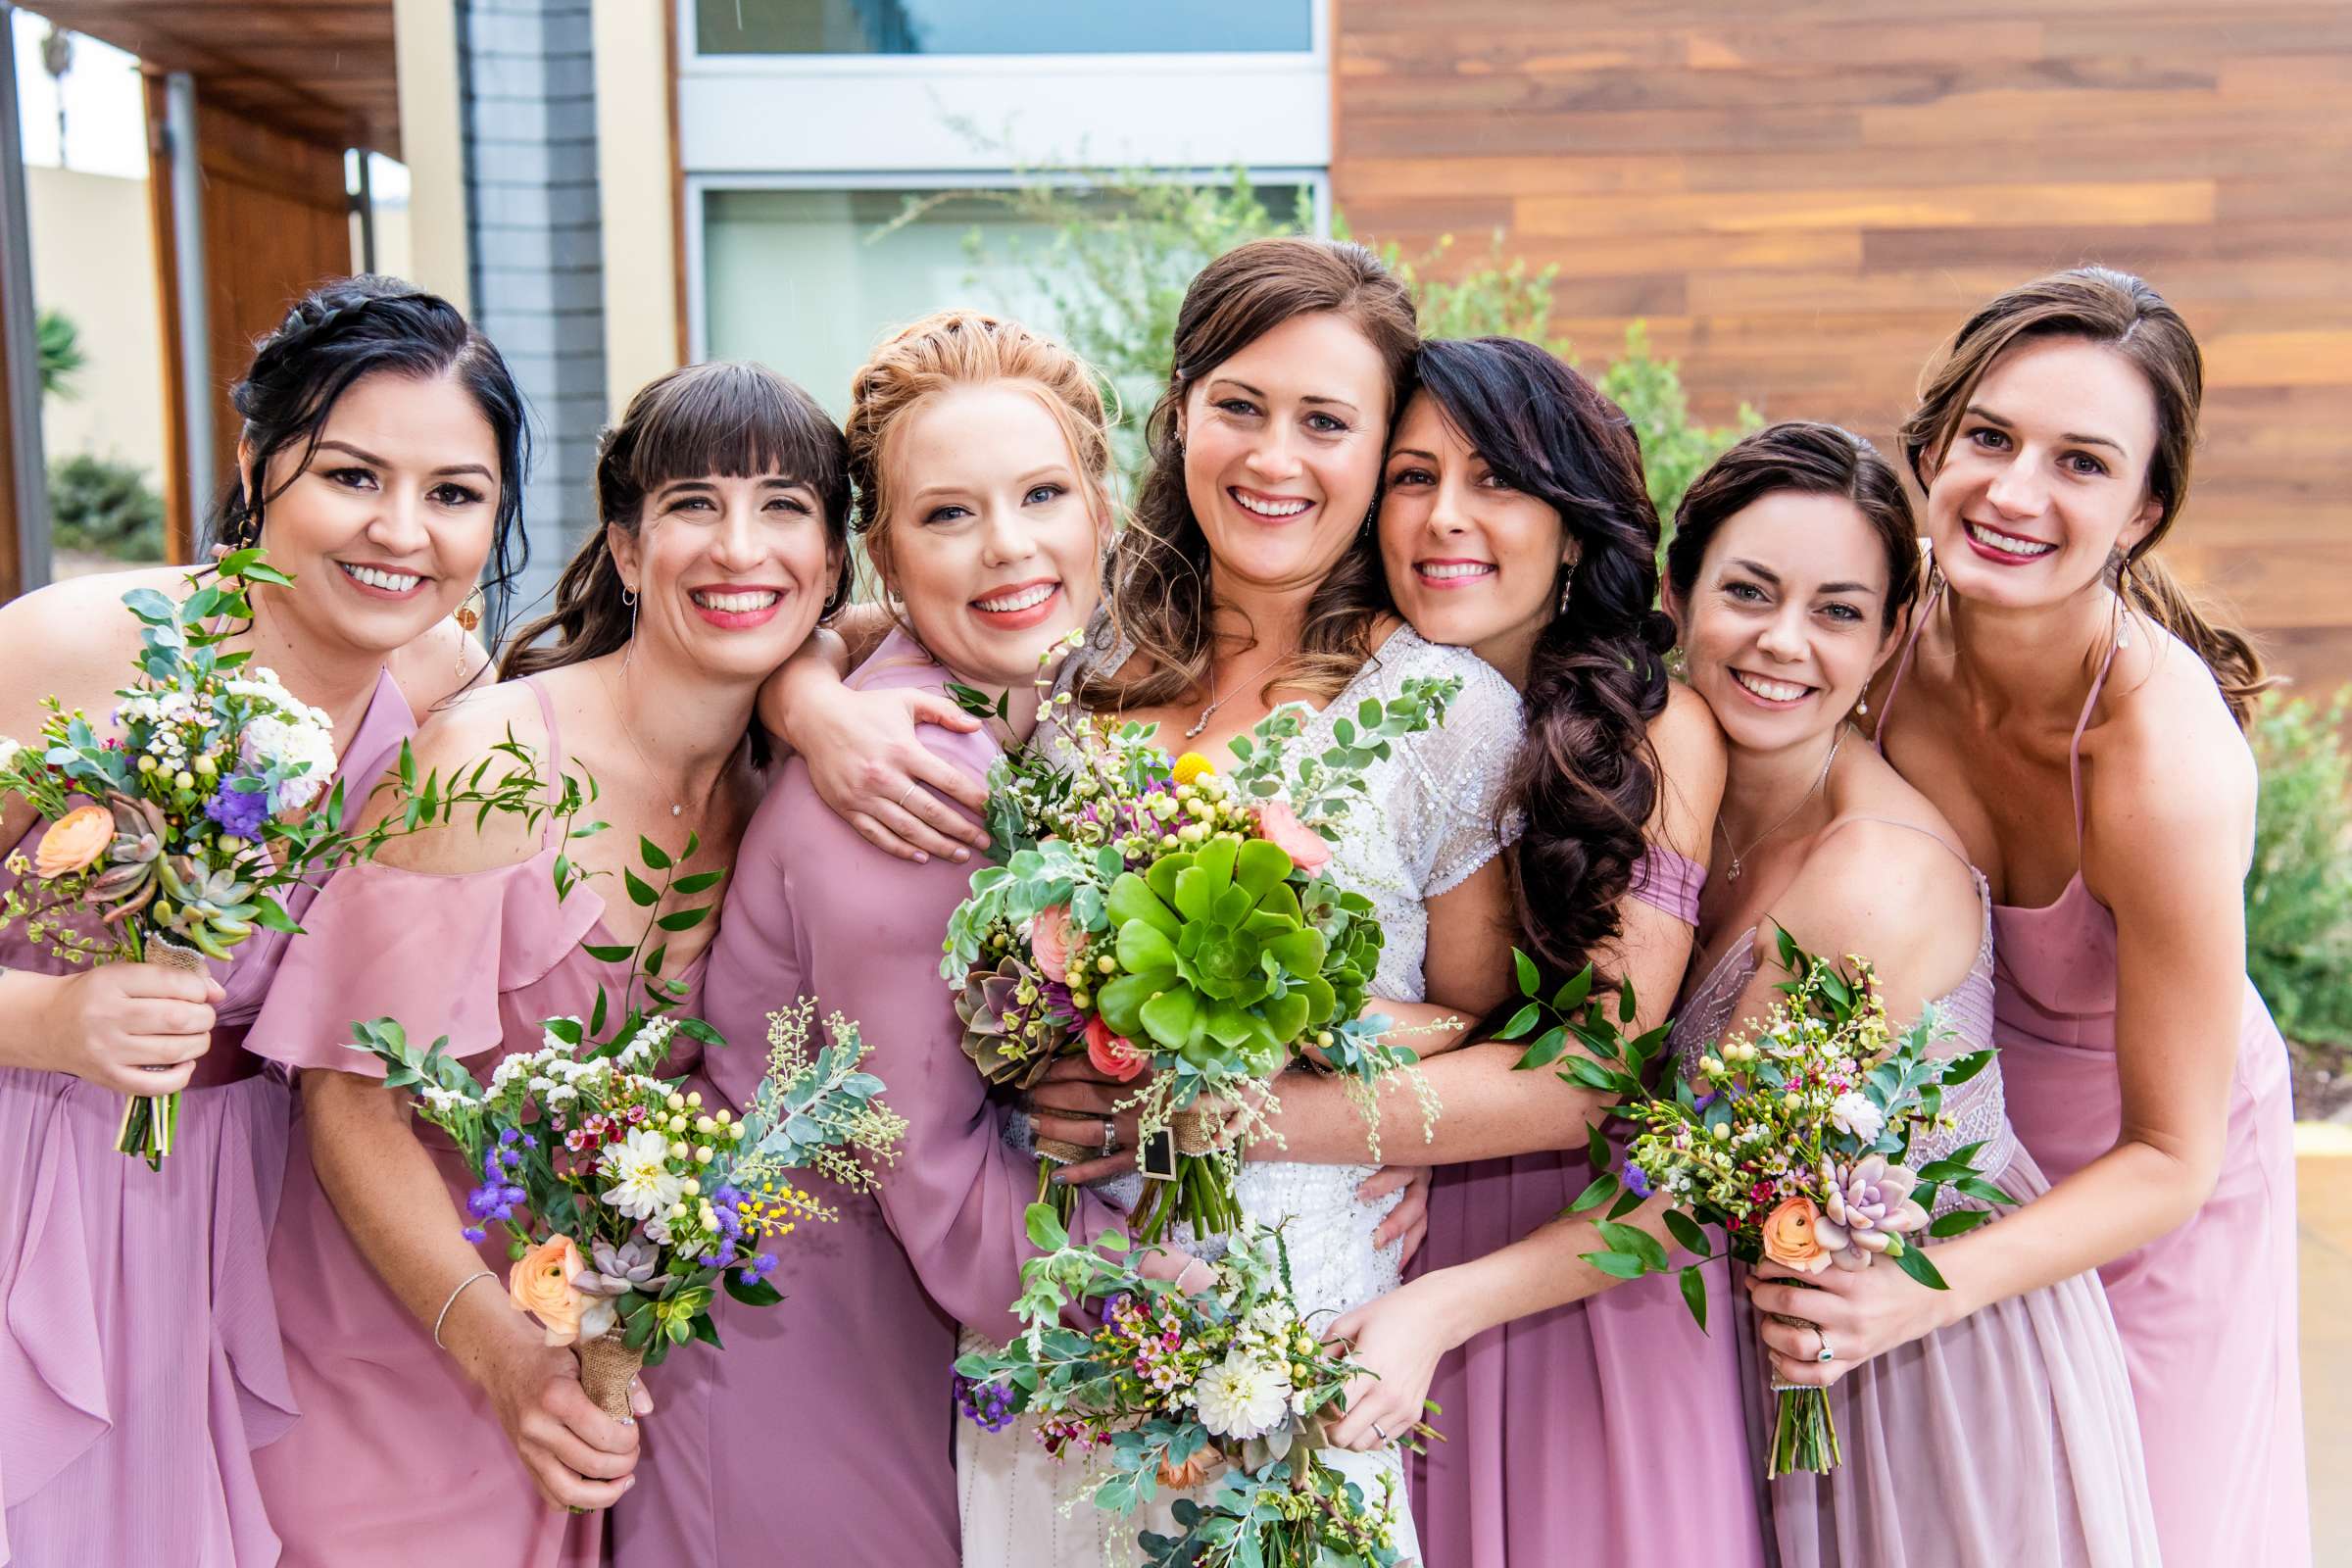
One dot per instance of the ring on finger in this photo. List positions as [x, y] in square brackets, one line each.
[1111, 1138]
[1826, 1355]
[904, 794]
[1380, 1432]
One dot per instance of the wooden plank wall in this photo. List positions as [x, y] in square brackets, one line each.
[1804, 199]
[276, 222]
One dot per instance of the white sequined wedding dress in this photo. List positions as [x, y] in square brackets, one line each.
[1429, 823]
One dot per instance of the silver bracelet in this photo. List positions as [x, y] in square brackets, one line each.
[485, 1274]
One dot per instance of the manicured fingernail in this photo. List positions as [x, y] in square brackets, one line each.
[962, 856]
[920, 858]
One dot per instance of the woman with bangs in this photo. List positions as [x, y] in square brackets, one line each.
[981, 459]
[438, 1424]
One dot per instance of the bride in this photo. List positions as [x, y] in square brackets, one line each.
[1248, 579]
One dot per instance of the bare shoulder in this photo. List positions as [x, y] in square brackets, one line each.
[465, 732]
[2165, 759]
[1888, 891]
[439, 664]
[72, 639]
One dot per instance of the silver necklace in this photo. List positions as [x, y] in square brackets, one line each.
[1737, 854]
[677, 808]
[1216, 701]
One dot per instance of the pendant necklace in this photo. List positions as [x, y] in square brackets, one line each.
[1216, 701]
[1739, 854]
[677, 808]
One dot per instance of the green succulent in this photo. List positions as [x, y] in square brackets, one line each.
[1216, 958]
[211, 909]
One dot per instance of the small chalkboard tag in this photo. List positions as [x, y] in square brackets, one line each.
[1156, 1157]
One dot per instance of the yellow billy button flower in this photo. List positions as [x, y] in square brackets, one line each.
[1190, 766]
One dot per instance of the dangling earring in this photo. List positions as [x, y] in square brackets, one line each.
[1371, 519]
[467, 618]
[1862, 707]
[1567, 585]
[628, 597]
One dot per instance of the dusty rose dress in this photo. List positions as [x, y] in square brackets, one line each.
[2008, 1436]
[825, 1433]
[139, 1363]
[399, 1459]
[2208, 1312]
[1611, 1426]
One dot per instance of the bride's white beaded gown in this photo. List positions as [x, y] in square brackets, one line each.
[1431, 817]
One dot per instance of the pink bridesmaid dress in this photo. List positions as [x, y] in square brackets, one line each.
[1609, 1427]
[825, 1432]
[2006, 1438]
[2207, 1311]
[139, 1360]
[399, 1458]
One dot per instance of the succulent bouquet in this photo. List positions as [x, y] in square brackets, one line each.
[629, 1204]
[1157, 914]
[1791, 1137]
[1172, 1387]
[173, 830]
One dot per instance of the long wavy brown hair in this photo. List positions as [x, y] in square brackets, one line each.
[2116, 311]
[1156, 582]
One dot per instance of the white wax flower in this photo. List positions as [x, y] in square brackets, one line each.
[638, 1166]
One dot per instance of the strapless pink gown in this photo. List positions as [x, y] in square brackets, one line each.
[139, 1359]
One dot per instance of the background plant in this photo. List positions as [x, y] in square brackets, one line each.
[106, 507]
[1123, 244]
[61, 356]
[2299, 887]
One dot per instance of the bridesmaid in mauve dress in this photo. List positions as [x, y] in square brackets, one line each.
[825, 1433]
[437, 1423]
[2077, 718]
[2005, 1433]
[139, 1355]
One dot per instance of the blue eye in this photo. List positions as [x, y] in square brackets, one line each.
[1041, 494]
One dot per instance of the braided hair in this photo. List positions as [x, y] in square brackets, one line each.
[340, 332]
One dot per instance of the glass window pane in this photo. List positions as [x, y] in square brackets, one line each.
[992, 27]
[808, 280]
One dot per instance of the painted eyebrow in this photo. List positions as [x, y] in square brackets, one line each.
[349, 450]
[2080, 440]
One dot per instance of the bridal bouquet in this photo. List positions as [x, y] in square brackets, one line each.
[629, 1204]
[1172, 1387]
[171, 830]
[1157, 914]
[1791, 1138]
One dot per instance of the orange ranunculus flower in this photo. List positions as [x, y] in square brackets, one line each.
[75, 840]
[1050, 940]
[1114, 1056]
[1190, 1474]
[540, 1283]
[1279, 826]
[1788, 1238]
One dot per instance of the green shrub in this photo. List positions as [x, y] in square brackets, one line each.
[1125, 245]
[61, 356]
[105, 508]
[2299, 890]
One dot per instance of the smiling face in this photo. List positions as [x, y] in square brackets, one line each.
[1282, 450]
[386, 526]
[2046, 475]
[1786, 620]
[993, 540]
[1470, 560]
[730, 573]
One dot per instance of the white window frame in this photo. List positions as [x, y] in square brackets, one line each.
[859, 116]
[699, 186]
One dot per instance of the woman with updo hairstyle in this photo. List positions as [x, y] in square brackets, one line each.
[982, 466]
[438, 1423]
[2078, 718]
[379, 460]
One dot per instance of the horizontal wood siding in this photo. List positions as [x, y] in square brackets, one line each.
[1803, 200]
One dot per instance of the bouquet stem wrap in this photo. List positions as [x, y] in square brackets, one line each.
[1804, 1435]
[607, 1365]
[151, 1122]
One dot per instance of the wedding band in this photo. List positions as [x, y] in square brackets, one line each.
[1826, 1354]
[1379, 1433]
[909, 790]
[1111, 1138]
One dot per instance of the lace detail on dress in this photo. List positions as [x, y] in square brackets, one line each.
[1978, 1108]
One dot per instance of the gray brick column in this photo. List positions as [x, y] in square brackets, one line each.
[529, 110]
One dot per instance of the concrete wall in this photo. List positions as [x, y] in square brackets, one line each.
[93, 258]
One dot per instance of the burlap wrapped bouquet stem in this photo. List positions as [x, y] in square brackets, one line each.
[607, 1365]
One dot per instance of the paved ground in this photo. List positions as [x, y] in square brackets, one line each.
[2324, 1213]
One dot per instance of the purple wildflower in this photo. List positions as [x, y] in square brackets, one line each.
[1636, 1178]
[473, 1233]
[238, 812]
[985, 1404]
